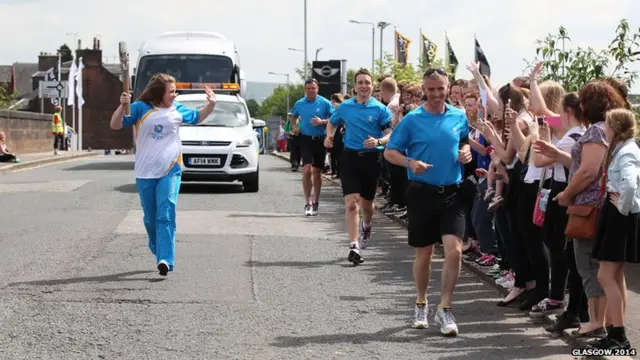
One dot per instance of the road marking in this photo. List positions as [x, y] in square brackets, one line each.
[46, 186]
[239, 223]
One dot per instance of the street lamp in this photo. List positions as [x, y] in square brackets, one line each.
[373, 40]
[382, 25]
[318, 51]
[287, 75]
[305, 40]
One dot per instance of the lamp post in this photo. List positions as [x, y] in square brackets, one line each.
[317, 52]
[373, 40]
[287, 75]
[305, 41]
[304, 68]
[382, 25]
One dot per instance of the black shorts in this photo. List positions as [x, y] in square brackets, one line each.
[359, 173]
[432, 212]
[312, 150]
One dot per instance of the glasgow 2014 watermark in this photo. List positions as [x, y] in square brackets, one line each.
[603, 352]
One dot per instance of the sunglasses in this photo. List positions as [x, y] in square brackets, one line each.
[431, 71]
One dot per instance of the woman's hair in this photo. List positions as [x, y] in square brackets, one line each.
[552, 93]
[623, 124]
[513, 93]
[337, 97]
[154, 92]
[621, 88]
[596, 98]
[347, 96]
[571, 102]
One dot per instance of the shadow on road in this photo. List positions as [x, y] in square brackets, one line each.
[95, 279]
[190, 188]
[104, 165]
[487, 331]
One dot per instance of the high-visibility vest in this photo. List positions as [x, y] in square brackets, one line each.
[57, 127]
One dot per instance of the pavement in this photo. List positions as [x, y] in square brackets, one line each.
[254, 278]
[33, 160]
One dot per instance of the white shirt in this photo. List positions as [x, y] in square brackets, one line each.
[534, 173]
[565, 144]
[394, 103]
[158, 144]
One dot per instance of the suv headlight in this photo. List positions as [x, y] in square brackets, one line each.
[246, 142]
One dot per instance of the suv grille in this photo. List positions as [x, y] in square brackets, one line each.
[206, 143]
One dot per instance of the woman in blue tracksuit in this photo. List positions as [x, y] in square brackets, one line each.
[156, 118]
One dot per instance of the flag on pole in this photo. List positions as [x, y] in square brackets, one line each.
[72, 83]
[429, 49]
[450, 58]
[402, 48]
[481, 58]
[78, 84]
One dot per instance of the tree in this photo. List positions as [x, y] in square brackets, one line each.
[276, 103]
[65, 51]
[253, 107]
[574, 68]
[6, 99]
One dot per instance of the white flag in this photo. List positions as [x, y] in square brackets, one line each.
[72, 83]
[79, 83]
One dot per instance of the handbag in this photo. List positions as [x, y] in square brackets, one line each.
[583, 219]
[542, 199]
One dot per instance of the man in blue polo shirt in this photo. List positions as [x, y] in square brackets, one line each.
[368, 124]
[313, 111]
[432, 142]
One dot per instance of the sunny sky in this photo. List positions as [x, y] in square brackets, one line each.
[263, 30]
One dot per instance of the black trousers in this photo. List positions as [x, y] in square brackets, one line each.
[399, 184]
[7, 157]
[533, 260]
[58, 142]
[295, 155]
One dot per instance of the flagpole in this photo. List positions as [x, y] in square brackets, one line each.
[421, 50]
[395, 41]
[475, 53]
[446, 51]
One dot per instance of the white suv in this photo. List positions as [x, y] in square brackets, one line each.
[224, 146]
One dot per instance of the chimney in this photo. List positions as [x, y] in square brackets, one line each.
[47, 61]
[90, 57]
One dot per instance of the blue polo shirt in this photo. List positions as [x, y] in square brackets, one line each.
[432, 139]
[361, 121]
[307, 110]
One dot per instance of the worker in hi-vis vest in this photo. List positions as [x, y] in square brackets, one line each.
[57, 129]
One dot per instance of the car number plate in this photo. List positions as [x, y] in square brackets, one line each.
[204, 161]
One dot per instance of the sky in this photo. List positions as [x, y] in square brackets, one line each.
[264, 30]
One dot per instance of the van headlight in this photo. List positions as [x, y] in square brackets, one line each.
[246, 142]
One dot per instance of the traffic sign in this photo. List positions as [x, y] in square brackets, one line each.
[53, 89]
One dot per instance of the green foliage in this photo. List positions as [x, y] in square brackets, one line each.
[6, 99]
[67, 54]
[408, 73]
[253, 107]
[574, 68]
[276, 103]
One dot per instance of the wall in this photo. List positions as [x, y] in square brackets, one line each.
[27, 132]
[101, 93]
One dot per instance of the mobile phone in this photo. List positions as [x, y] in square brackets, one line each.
[540, 120]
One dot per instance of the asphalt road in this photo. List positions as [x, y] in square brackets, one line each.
[254, 279]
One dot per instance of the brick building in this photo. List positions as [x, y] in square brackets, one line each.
[101, 85]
